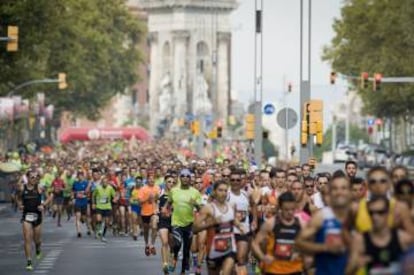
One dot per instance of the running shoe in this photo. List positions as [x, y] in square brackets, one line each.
[153, 251]
[79, 235]
[39, 255]
[147, 251]
[29, 266]
[103, 240]
[166, 268]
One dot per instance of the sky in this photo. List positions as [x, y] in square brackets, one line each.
[281, 37]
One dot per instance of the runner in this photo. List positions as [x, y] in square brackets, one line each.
[67, 193]
[324, 235]
[198, 248]
[279, 233]
[32, 205]
[379, 251]
[102, 199]
[318, 199]
[358, 189]
[135, 206]
[379, 184]
[243, 204]
[148, 199]
[351, 169]
[183, 200]
[80, 190]
[164, 224]
[218, 217]
[58, 186]
[304, 208]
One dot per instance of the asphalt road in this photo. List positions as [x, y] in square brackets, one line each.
[65, 254]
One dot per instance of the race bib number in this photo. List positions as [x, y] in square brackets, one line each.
[103, 200]
[31, 217]
[283, 251]
[80, 195]
[223, 243]
[241, 215]
[333, 237]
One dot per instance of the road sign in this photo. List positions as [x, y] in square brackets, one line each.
[269, 109]
[371, 122]
[287, 118]
[189, 117]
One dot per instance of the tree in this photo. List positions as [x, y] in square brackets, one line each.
[376, 36]
[355, 135]
[94, 41]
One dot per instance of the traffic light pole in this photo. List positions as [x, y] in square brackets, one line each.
[258, 83]
[31, 82]
[305, 93]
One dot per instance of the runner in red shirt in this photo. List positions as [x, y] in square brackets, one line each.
[58, 185]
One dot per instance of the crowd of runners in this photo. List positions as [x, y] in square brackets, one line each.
[223, 212]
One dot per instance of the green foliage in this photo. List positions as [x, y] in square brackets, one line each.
[376, 36]
[355, 135]
[93, 41]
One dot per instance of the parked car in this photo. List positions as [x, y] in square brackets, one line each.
[344, 153]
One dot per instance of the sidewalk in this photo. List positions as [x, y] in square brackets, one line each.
[5, 208]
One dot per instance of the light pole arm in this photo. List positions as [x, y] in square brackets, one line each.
[31, 82]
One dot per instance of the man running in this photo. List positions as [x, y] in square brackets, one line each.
[324, 235]
[218, 217]
[148, 199]
[243, 204]
[102, 199]
[279, 233]
[32, 205]
[58, 186]
[164, 224]
[80, 190]
[351, 169]
[379, 250]
[183, 200]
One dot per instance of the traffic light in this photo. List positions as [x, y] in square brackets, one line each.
[333, 78]
[319, 133]
[377, 82]
[62, 81]
[290, 87]
[304, 133]
[249, 126]
[219, 131]
[13, 38]
[195, 128]
[364, 80]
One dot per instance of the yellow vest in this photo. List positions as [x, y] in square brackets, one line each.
[363, 220]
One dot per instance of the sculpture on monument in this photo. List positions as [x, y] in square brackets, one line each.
[202, 103]
[165, 98]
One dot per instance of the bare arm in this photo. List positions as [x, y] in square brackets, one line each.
[261, 237]
[406, 239]
[405, 218]
[304, 241]
[204, 219]
[356, 253]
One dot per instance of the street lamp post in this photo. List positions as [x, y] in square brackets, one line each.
[258, 82]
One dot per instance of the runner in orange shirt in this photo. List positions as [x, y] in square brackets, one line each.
[148, 198]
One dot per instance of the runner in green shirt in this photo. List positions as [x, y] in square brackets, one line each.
[184, 200]
[102, 199]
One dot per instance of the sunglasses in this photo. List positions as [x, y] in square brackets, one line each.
[322, 182]
[236, 180]
[226, 176]
[308, 186]
[382, 180]
[185, 176]
[198, 182]
[381, 212]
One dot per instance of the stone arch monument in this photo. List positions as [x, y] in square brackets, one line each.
[190, 43]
